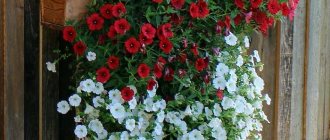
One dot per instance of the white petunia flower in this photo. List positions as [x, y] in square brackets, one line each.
[267, 99]
[187, 111]
[240, 124]
[208, 113]
[148, 104]
[77, 119]
[118, 111]
[219, 83]
[227, 103]
[246, 42]
[197, 108]
[63, 107]
[80, 131]
[222, 69]
[130, 124]
[240, 61]
[219, 133]
[132, 103]
[182, 126]
[217, 110]
[158, 129]
[195, 135]
[124, 135]
[74, 100]
[160, 116]
[114, 137]
[98, 88]
[231, 39]
[51, 67]
[256, 55]
[215, 122]
[91, 56]
[178, 96]
[259, 84]
[240, 103]
[231, 86]
[98, 101]
[89, 109]
[96, 126]
[87, 85]
[102, 135]
[115, 96]
[257, 104]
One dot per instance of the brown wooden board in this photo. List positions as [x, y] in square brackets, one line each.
[12, 69]
[54, 13]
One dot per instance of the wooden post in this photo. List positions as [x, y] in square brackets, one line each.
[12, 69]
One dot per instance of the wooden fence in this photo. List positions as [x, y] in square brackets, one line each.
[296, 72]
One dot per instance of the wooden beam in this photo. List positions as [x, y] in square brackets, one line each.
[12, 69]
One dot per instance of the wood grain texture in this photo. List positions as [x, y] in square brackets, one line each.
[296, 120]
[12, 71]
[53, 11]
[56, 12]
[31, 66]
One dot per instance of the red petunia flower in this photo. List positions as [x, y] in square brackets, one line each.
[238, 19]
[194, 49]
[177, 4]
[285, 9]
[160, 34]
[193, 10]
[255, 3]
[127, 94]
[95, 22]
[122, 26]
[182, 73]
[132, 46]
[158, 71]
[220, 94]
[166, 30]
[148, 31]
[200, 64]
[259, 17]
[151, 84]
[182, 57]
[239, 4]
[199, 10]
[169, 74]
[157, 1]
[144, 40]
[161, 60]
[273, 7]
[143, 70]
[112, 32]
[118, 10]
[69, 34]
[113, 62]
[79, 48]
[102, 75]
[106, 11]
[166, 46]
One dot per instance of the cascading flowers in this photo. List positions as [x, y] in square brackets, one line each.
[174, 69]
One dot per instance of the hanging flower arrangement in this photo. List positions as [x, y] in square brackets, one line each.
[168, 69]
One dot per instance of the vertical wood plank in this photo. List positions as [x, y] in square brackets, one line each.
[266, 46]
[296, 120]
[31, 66]
[50, 86]
[285, 80]
[2, 62]
[12, 69]
[52, 11]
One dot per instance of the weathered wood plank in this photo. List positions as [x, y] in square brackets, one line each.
[12, 69]
[31, 66]
[296, 120]
[314, 65]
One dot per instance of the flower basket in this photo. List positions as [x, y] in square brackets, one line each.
[175, 69]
